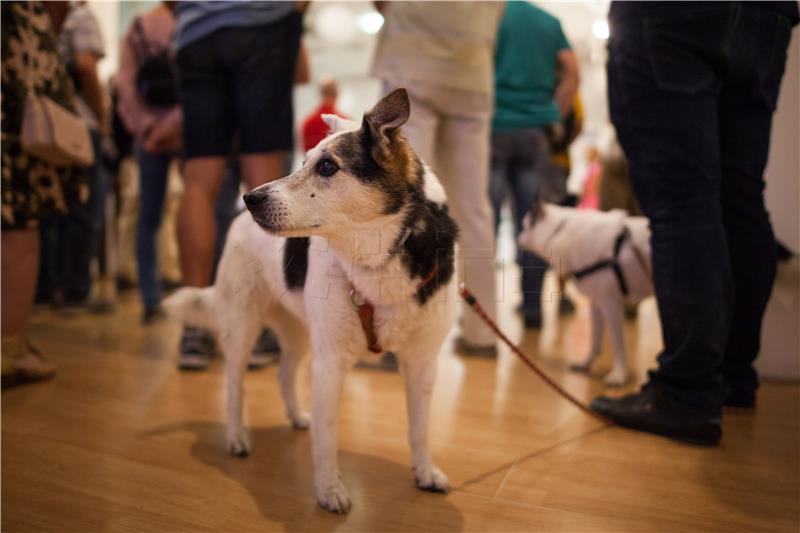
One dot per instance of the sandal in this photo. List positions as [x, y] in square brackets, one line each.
[22, 363]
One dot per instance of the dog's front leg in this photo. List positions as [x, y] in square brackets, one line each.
[612, 312]
[597, 341]
[420, 375]
[327, 375]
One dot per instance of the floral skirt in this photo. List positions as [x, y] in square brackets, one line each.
[32, 189]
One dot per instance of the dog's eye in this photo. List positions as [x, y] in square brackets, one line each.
[327, 168]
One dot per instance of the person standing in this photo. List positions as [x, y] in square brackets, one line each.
[441, 52]
[536, 79]
[69, 242]
[314, 128]
[148, 105]
[33, 189]
[692, 90]
[236, 68]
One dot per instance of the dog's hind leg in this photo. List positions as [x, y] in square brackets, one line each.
[237, 337]
[294, 342]
[597, 340]
[420, 375]
[612, 312]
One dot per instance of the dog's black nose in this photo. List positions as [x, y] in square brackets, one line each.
[254, 198]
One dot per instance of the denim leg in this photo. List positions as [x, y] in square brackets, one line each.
[531, 163]
[745, 126]
[667, 121]
[76, 238]
[153, 173]
[48, 280]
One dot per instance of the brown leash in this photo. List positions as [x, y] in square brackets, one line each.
[476, 306]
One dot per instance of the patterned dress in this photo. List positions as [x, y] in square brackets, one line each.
[32, 189]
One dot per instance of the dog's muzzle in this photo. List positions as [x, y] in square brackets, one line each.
[267, 211]
[255, 198]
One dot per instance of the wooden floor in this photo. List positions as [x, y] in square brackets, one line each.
[121, 441]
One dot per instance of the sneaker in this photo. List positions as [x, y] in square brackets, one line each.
[465, 347]
[196, 349]
[386, 362]
[265, 352]
[153, 313]
[101, 306]
[73, 308]
[654, 410]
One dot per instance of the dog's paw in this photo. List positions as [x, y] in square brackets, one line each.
[616, 378]
[333, 497]
[301, 420]
[237, 445]
[432, 479]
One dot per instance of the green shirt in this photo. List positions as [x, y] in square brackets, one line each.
[525, 67]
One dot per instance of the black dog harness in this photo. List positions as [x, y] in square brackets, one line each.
[612, 263]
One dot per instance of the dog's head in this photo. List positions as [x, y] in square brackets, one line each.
[538, 226]
[350, 180]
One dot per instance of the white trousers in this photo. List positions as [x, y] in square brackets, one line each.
[450, 131]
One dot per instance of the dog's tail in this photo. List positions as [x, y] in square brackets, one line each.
[193, 306]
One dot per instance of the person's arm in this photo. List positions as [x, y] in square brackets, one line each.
[302, 70]
[135, 115]
[86, 70]
[568, 75]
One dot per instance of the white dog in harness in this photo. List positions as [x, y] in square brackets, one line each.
[607, 254]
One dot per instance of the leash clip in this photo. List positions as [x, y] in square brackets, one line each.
[356, 299]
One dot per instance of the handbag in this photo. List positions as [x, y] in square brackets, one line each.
[155, 77]
[50, 131]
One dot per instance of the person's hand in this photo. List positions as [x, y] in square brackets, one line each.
[163, 137]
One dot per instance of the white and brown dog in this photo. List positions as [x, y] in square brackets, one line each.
[608, 256]
[357, 258]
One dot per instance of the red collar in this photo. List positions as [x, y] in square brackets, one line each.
[366, 311]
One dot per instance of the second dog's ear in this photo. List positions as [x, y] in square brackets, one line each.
[385, 118]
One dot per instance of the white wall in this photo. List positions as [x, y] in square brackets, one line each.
[783, 168]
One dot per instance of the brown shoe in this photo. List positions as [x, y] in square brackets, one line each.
[22, 363]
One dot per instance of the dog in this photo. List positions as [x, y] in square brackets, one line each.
[352, 255]
[608, 256]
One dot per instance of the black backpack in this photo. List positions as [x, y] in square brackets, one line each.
[155, 77]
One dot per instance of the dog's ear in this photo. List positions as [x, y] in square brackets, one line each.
[383, 120]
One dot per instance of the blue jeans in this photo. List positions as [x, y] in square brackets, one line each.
[153, 176]
[520, 166]
[69, 242]
[691, 94]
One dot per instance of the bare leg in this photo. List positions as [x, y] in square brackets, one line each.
[196, 230]
[327, 375]
[259, 169]
[20, 266]
[420, 375]
[597, 341]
